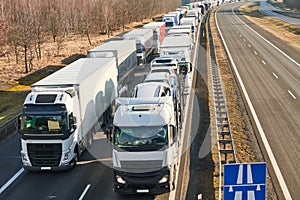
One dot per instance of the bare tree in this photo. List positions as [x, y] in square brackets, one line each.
[3, 32]
[108, 15]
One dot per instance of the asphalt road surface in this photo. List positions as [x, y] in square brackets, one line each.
[270, 72]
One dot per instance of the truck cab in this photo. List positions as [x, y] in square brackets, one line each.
[49, 116]
[152, 89]
[146, 147]
[161, 77]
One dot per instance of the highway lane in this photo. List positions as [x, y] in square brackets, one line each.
[272, 80]
[10, 160]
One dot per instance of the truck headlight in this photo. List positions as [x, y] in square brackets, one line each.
[24, 157]
[66, 155]
[164, 179]
[120, 179]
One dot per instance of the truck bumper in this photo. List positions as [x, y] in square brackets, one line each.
[66, 166]
[147, 183]
[56, 168]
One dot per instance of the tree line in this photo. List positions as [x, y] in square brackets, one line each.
[26, 24]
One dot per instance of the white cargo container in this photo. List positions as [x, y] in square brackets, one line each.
[124, 51]
[170, 20]
[189, 21]
[63, 111]
[159, 33]
[180, 48]
[181, 32]
[144, 42]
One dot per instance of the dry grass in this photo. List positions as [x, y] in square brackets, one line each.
[284, 31]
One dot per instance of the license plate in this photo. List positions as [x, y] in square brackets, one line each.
[45, 168]
[142, 191]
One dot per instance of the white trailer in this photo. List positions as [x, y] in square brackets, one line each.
[63, 111]
[159, 33]
[178, 47]
[182, 32]
[170, 20]
[124, 51]
[146, 149]
[189, 21]
[195, 13]
[184, 29]
[144, 39]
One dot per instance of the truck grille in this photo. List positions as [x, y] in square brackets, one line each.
[141, 166]
[44, 155]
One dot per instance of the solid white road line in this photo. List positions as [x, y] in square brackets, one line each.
[84, 192]
[275, 75]
[294, 97]
[271, 156]
[11, 180]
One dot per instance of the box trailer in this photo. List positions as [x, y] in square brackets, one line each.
[180, 48]
[159, 33]
[144, 42]
[124, 51]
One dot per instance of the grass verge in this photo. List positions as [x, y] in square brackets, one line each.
[289, 33]
[11, 99]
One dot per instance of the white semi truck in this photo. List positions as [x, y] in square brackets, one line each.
[63, 111]
[144, 42]
[159, 33]
[146, 146]
[180, 48]
[124, 51]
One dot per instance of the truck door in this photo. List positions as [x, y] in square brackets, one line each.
[174, 143]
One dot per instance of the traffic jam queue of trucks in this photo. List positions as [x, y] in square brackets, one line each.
[64, 110]
[146, 127]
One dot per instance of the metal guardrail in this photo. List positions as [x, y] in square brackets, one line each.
[224, 138]
[9, 128]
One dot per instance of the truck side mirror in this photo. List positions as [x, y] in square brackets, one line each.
[191, 68]
[74, 120]
[19, 121]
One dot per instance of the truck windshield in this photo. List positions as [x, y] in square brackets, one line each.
[141, 138]
[44, 123]
[139, 48]
[169, 24]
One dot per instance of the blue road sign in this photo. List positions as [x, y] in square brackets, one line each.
[245, 181]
